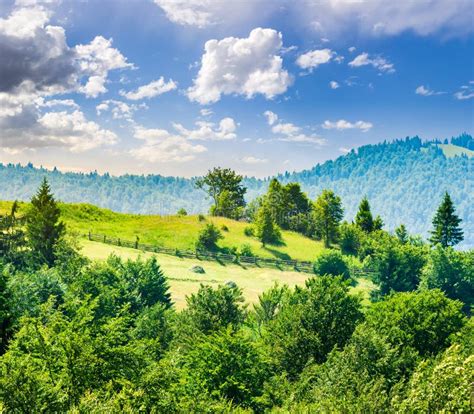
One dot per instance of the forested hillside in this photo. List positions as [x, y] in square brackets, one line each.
[404, 181]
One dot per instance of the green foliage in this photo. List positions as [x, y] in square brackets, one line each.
[249, 231]
[182, 212]
[211, 309]
[332, 263]
[349, 238]
[224, 228]
[208, 237]
[12, 237]
[328, 213]
[266, 229]
[402, 234]
[452, 272]
[364, 218]
[43, 228]
[446, 230]
[311, 322]
[422, 321]
[397, 266]
[246, 250]
[225, 188]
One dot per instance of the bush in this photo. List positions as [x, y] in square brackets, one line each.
[331, 262]
[182, 212]
[249, 231]
[246, 250]
[224, 228]
[208, 237]
[201, 217]
[349, 238]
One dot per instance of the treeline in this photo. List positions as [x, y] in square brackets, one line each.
[81, 337]
[404, 180]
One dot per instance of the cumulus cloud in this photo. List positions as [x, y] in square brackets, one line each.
[209, 131]
[314, 58]
[69, 130]
[342, 124]
[151, 90]
[333, 85]
[425, 91]
[288, 132]
[379, 63]
[119, 109]
[241, 66]
[197, 13]
[162, 146]
[272, 117]
[206, 112]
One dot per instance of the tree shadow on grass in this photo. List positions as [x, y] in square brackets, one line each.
[278, 254]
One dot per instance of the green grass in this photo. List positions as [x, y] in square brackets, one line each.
[252, 280]
[176, 231]
[451, 151]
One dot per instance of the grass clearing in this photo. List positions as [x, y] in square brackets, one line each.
[252, 280]
[451, 150]
[176, 232]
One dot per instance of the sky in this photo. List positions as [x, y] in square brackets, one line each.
[176, 87]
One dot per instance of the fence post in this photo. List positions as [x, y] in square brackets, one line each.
[105, 238]
[136, 242]
[90, 235]
[118, 242]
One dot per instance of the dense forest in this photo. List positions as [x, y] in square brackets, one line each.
[102, 337]
[404, 180]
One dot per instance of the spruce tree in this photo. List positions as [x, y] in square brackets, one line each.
[266, 229]
[364, 217]
[43, 228]
[402, 234]
[446, 230]
[327, 216]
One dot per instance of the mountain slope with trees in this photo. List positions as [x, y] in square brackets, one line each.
[404, 181]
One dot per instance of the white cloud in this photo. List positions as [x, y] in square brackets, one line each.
[188, 12]
[342, 124]
[344, 150]
[272, 117]
[98, 58]
[119, 109]
[379, 63]
[241, 66]
[314, 58]
[333, 85]
[209, 131]
[206, 112]
[425, 91]
[352, 49]
[253, 160]
[150, 90]
[162, 146]
[466, 92]
[289, 132]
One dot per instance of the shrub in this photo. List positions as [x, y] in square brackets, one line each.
[246, 250]
[182, 212]
[331, 262]
[224, 228]
[249, 231]
[201, 217]
[208, 237]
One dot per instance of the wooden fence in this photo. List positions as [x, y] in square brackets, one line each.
[297, 265]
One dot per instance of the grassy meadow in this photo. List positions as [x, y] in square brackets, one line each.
[178, 232]
[252, 280]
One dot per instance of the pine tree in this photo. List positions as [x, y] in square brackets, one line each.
[378, 223]
[446, 230]
[43, 228]
[364, 217]
[266, 229]
[402, 233]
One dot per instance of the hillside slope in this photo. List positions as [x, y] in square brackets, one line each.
[176, 232]
[403, 179]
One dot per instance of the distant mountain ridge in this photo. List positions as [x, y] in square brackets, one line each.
[403, 179]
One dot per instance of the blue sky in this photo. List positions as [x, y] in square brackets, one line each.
[175, 87]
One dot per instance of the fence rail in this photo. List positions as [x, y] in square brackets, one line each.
[300, 266]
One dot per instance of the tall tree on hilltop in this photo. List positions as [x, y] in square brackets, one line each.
[364, 217]
[446, 229]
[224, 186]
[43, 228]
[328, 213]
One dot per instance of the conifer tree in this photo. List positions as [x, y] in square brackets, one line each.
[266, 229]
[43, 228]
[328, 213]
[402, 233]
[446, 230]
[364, 217]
